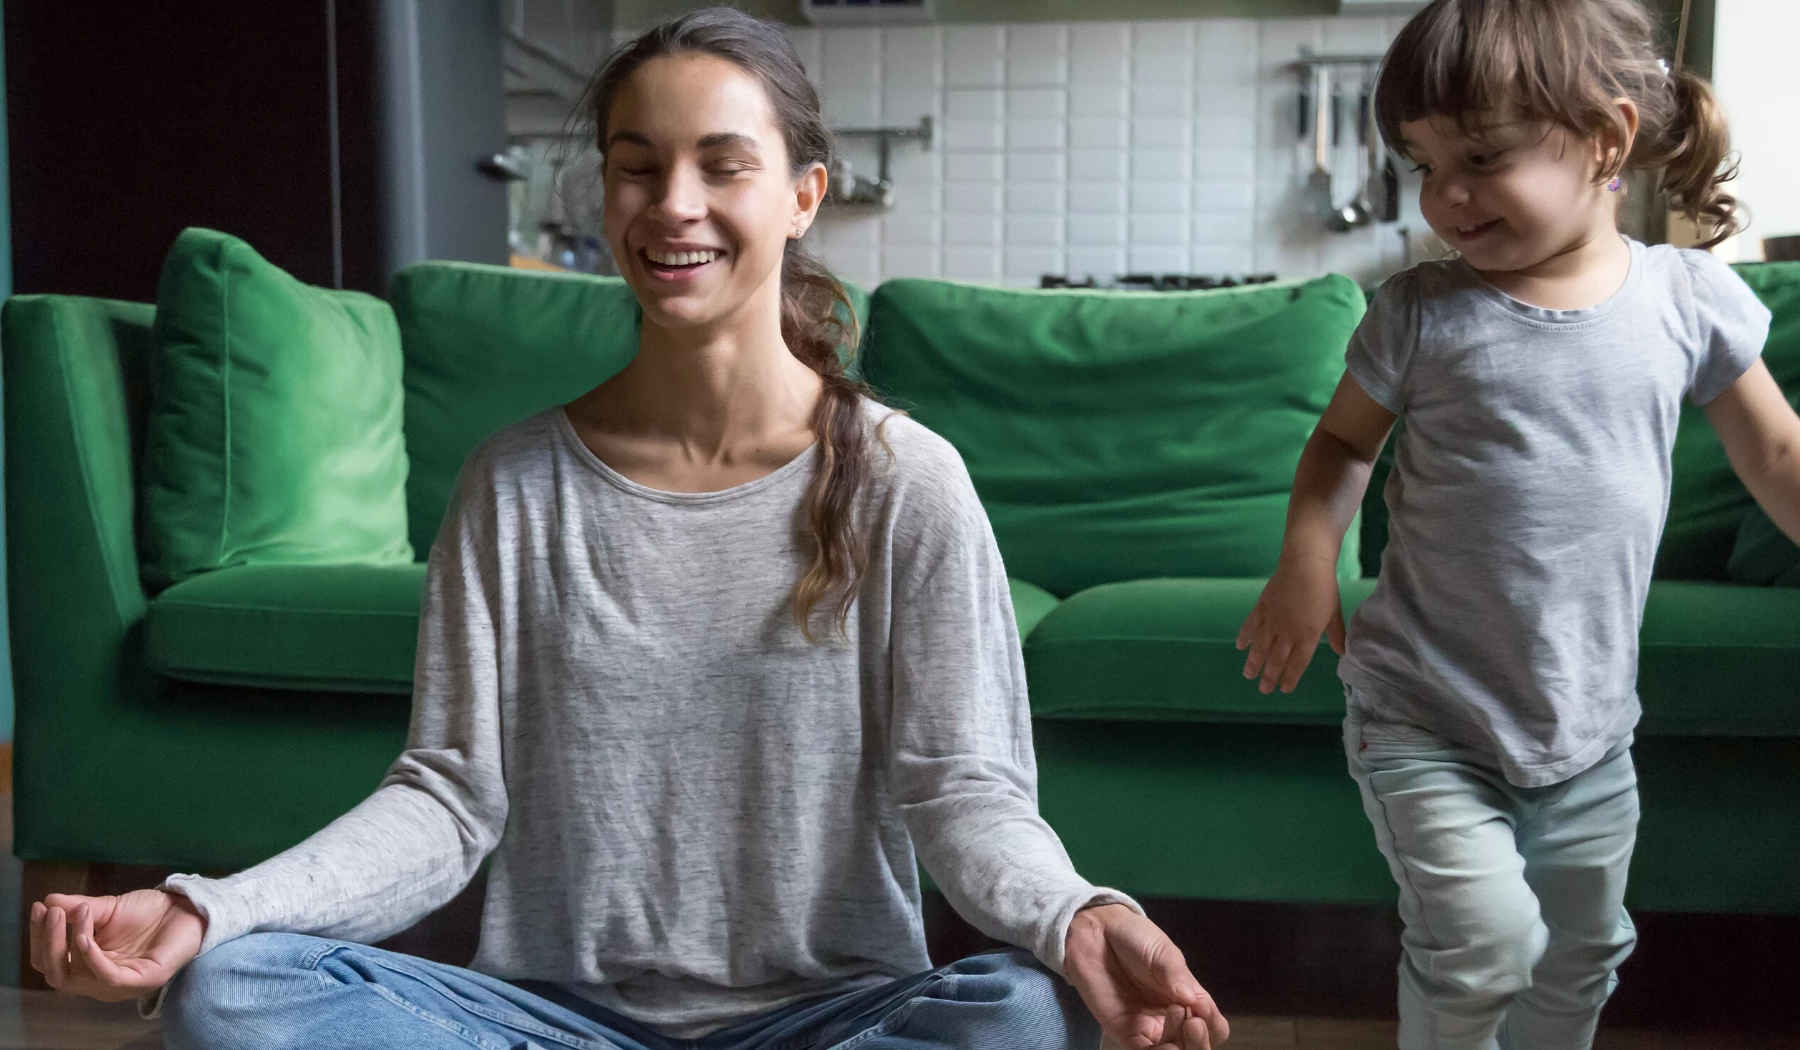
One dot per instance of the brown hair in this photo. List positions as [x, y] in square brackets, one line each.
[817, 320]
[1566, 61]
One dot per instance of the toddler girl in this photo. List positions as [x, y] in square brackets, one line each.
[1491, 674]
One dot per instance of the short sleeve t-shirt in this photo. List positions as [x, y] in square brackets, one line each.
[1528, 496]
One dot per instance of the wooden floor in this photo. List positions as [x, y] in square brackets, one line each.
[49, 1021]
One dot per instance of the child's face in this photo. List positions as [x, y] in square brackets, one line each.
[1509, 194]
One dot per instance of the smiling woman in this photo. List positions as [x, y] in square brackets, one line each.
[701, 676]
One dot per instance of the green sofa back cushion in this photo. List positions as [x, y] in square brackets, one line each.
[1763, 555]
[1708, 503]
[487, 346]
[274, 429]
[1118, 435]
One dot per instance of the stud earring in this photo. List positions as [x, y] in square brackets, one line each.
[1613, 186]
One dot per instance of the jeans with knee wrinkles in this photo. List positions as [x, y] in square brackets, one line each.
[1513, 899]
[282, 991]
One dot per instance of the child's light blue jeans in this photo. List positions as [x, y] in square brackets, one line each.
[280, 991]
[1513, 898]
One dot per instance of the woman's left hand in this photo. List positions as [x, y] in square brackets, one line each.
[1137, 983]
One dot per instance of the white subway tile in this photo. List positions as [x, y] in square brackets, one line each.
[972, 264]
[1112, 102]
[974, 167]
[1098, 133]
[806, 44]
[1279, 41]
[972, 198]
[910, 261]
[847, 108]
[1225, 50]
[1163, 68]
[1158, 230]
[1036, 167]
[972, 231]
[1355, 36]
[1036, 134]
[1032, 262]
[861, 265]
[912, 58]
[917, 196]
[1229, 101]
[974, 56]
[1154, 198]
[1040, 230]
[1215, 196]
[1225, 164]
[1040, 198]
[969, 134]
[1031, 39]
[1219, 228]
[1038, 103]
[1096, 198]
[849, 229]
[1234, 132]
[1098, 37]
[1099, 68]
[1031, 69]
[910, 230]
[851, 57]
[904, 108]
[1097, 165]
[1157, 260]
[1159, 165]
[1102, 264]
[1162, 100]
[988, 103]
[1159, 38]
[1161, 133]
[1105, 230]
[1223, 261]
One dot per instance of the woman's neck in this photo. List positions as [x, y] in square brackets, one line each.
[702, 406]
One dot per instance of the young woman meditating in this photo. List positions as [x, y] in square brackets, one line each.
[706, 658]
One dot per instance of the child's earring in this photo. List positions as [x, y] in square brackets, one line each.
[1613, 186]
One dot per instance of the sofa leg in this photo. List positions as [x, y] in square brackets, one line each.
[40, 879]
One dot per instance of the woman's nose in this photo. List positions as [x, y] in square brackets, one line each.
[684, 196]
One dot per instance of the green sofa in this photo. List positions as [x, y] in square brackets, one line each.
[1134, 451]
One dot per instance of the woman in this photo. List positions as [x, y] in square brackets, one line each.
[704, 657]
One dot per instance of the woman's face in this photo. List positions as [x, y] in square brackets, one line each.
[701, 197]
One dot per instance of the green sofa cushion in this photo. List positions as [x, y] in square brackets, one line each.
[1166, 650]
[1708, 502]
[1031, 604]
[274, 430]
[1763, 555]
[1118, 436]
[1720, 659]
[487, 346]
[338, 628]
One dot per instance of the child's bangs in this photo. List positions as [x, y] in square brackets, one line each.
[1474, 62]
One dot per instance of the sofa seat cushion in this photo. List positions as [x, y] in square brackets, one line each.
[1031, 604]
[1720, 659]
[1166, 650]
[338, 628]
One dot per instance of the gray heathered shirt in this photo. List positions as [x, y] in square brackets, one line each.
[1528, 497]
[694, 815]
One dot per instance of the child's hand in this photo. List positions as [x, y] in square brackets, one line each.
[1299, 603]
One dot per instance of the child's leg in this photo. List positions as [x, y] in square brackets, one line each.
[1444, 821]
[1577, 846]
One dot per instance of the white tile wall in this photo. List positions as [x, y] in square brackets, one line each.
[1090, 148]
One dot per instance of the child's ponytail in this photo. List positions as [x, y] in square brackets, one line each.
[1692, 150]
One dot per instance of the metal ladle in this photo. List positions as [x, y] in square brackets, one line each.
[1356, 213]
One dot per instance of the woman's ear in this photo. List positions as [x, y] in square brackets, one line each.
[809, 193]
[1616, 141]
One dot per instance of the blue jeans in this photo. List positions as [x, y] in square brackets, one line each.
[280, 991]
[1513, 898]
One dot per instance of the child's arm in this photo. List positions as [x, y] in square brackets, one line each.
[1761, 436]
[1300, 602]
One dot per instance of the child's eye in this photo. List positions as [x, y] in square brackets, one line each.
[1421, 169]
[1483, 160]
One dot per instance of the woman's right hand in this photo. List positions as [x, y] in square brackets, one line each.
[114, 948]
[1299, 603]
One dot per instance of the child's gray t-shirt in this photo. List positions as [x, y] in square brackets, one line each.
[1528, 496]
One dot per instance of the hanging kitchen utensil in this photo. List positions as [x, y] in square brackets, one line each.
[1318, 184]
